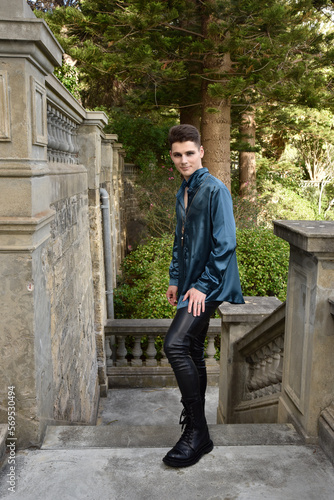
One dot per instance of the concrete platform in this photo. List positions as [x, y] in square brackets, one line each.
[158, 406]
[243, 473]
[122, 460]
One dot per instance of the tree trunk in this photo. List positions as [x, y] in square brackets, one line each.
[247, 162]
[191, 115]
[216, 124]
[216, 112]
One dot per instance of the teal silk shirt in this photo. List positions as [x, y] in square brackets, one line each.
[205, 241]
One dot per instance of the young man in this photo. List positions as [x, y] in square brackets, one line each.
[203, 273]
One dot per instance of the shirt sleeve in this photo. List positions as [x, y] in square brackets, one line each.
[223, 241]
[174, 265]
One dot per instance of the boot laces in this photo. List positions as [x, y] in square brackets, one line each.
[186, 421]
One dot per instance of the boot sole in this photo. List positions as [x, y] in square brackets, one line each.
[172, 462]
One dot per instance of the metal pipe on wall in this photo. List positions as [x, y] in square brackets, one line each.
[105, 208]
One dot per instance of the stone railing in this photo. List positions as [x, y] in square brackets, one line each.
[263, 350]
[251, 360]
[265, 370]
[135, 355]
[281, 370]
[62, 137]
[258, 359]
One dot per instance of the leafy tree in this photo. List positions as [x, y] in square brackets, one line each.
[301, 139]
[189, 54]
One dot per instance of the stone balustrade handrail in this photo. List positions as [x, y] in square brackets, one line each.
[145, 326]
[63, 100]
[264, 333]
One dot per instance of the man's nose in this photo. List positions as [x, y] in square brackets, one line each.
[184, 159]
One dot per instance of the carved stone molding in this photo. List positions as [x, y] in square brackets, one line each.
[5, 122]
[39, 117]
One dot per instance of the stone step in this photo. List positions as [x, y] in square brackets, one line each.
[165, 436]
[3, 437]
[228, 472]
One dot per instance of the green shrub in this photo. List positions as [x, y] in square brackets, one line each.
[263, 261]
[142, 289]
[141, 292]
[277, 201]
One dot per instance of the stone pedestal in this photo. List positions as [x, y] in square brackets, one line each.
[308, 377]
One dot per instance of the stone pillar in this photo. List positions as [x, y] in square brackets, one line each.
[90, 154]
[308, 377]
[236, 321]
[28, 52]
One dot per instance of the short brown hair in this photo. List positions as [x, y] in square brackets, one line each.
[183, 133]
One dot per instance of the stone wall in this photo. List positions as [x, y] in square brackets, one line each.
[68, 268]
[54, 157]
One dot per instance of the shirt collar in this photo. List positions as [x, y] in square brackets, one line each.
[195, 179]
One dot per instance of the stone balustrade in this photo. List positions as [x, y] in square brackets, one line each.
[265, 362]
[135, 355]
[252, 348]
[265, 371]
[62, 137]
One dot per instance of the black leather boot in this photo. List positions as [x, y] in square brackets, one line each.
[195, 440]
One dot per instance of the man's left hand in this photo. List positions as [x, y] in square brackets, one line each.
[196, 303]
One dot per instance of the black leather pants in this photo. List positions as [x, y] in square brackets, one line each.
[184, 348]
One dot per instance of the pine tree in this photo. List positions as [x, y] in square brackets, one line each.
[201, 58]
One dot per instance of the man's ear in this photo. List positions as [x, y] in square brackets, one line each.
[201, 151]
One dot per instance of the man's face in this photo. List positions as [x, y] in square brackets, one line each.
[187, 157]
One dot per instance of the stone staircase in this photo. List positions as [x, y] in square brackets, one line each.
[119, 459]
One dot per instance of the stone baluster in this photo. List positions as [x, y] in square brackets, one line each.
[211, 350]
[64, 130]
[67, 130]
[121, 352]
[164, 361]
[280, 345]
[151, 352]
[252, 384]
[263, 369]
[258, 369]
[108, 352]
[58, 135]
[51, 137]
[137, 352]
[74, 137]
[276, 358]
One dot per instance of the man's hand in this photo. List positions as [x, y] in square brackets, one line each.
[172, 295]
[196, 301]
